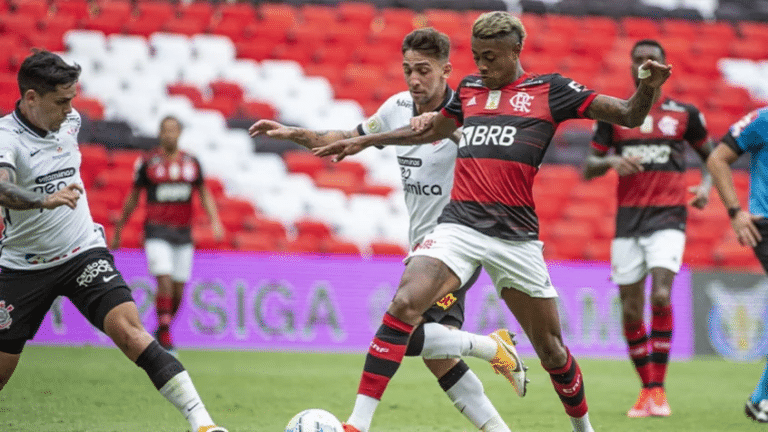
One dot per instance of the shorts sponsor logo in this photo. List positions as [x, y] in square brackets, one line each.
[426, 244]
[5, 315]
[447, 301]
[93, 270]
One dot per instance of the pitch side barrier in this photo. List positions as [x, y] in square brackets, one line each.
[335, 304]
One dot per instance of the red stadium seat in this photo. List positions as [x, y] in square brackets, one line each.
[244, 13]
[185, 26]
[338, 247]
[20, 25]
[279, 15]
[78, 9]
[640, 28]
[204, 239]
[356, 12]
[57, 25]
[32, 8]
[355, 168]
[196, 11]
[265, 225]
[447, 21]
[257, 110]
[155, 11]
[236, 205]
[299, 161]
[680, 29]
[124, 159]
[91, 108]
[304, 245]
[191, 92]
[344, 181]
[255, 242]
[143, 27]
[382, 248]
[598, 250]
[400, 18]
[227, 89]
[226, 106]
[311, 227]
[318, 15]
[721, 31]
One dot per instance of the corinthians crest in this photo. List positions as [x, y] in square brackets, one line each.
[737, 320]
[5, 315]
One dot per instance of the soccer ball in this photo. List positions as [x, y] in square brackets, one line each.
[314, 420]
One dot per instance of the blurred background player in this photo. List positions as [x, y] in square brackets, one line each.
[650, 222]
[426, 67]
[748, 135]
[169, 176]
[52, 247]
[509, 118]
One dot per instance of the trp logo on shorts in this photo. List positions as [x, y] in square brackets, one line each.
[93, 270]
[5, 315]
[447, 301]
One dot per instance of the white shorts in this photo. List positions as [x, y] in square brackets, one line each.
[168, 259]
[632, 257]
[510, 264]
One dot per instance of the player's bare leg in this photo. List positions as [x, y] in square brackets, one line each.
[8, 364]
[123, 326]
[636, 335]
[164, 307]
[424, 281]
[539, 319]
[178, 297]
[660, 338]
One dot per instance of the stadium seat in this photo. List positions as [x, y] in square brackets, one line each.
[255, 242]
[344, 181]
[189, 91]
[382, 248]
[309, 244]
[78, 9]
[356, 12]
[278, 15]
[91, 108]
[155, 11]
[196, 11]
[204, 239]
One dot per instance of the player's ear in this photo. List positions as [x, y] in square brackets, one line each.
[447, 69]
[29, 96]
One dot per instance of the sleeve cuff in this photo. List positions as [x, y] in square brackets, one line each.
[587, 102]
[599, 147]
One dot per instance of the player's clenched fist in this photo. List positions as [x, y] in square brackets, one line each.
[67, 196]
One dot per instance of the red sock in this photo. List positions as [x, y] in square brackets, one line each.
[637, 341]
[661, 338]
[164, 305]
[384, 356]
[569, 385]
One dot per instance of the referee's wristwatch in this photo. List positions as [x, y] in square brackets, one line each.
[733, 211]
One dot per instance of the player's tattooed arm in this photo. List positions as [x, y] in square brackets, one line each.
[632, 112]
[303, 137]
[14, 197]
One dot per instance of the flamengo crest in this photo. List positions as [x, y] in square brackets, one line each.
[5, 315]
[521, 102]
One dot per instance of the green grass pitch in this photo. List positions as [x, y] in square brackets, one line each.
[96, 389]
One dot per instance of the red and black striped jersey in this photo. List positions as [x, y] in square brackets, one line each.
[505, 134]
[654, 199]
[169, 184]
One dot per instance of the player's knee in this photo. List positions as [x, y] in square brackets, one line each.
[632, 310]
[405, 308]
[660, 296]
[128, 334]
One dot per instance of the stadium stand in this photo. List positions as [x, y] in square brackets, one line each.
[323, 65]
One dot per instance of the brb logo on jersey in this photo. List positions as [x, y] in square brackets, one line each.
[488, 135]
[648, 153]
[93, 270]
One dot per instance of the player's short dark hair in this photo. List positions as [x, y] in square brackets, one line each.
[174, 118]
[497, 25]
[650, 42]
[43, 71]
[428, 41]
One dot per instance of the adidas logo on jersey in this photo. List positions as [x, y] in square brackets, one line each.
[472, 101]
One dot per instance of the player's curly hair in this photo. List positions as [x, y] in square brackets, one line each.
[43, 71]
[498, 24]
[428, 41]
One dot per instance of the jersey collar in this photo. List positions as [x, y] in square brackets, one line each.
[446, 98]
[26, 124]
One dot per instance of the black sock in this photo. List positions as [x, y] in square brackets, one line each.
[159, 365]
[416, 342]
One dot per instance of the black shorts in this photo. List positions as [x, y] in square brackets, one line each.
[761, 250]
[90, 280]
[449, 310]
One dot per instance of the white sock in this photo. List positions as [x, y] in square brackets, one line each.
[496, 424]
[581, 424]
[362, 413]
[180, 391]
[441, 342]
[469, 398]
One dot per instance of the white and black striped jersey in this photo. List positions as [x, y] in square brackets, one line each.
[45, 162]
[426, 169]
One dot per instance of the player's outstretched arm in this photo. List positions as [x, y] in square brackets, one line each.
[13, 197]
[719, 165]
[599, 162]
[209, 204]
[632, 112]
[439, 128]
[701, 191]
[303, 137]
[131, 201]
